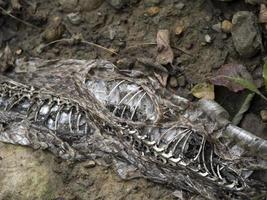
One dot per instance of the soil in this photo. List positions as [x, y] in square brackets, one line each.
[129, 29]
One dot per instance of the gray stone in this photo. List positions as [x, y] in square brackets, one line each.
[180, 6]
[74, 18]
[246, 34]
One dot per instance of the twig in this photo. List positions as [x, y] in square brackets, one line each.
[73, 40]
[99, 46]
[243, 109]
[153, 43]
[18, 19]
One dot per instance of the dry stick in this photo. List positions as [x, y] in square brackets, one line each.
[153, 43]
[82, 41]
[99, 46]
[18, 19]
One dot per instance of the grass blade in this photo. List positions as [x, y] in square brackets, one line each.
[245, 84]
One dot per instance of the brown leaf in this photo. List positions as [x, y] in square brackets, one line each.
[234, 71]
[165, 53]
[7, 59]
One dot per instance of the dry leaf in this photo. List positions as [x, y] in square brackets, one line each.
[7, 59]
[234, 71]
[165, 53]
[203, 91]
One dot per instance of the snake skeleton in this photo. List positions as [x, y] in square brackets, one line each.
[86, 109]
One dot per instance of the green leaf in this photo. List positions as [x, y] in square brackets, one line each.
[246, 84]
[264, 74]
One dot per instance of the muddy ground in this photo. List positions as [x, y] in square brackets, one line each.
[46, 29]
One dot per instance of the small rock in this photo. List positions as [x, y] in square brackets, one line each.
[246, 34]
[90, 164]
[179, 29]
[180, 6]
[227, 26]
[181, 81]
[152, 11]
[18, 52]
[74, 18]
[263, 114]
[217, 27]
[207, 38]
[173, 82]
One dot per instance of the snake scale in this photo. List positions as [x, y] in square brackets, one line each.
[85, 109]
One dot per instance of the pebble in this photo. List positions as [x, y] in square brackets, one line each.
[179, 29]
[74, 18]
[246, 34]
[180, 6]
[227, 26]
[263, 114]
[152, 11]
[90, 164]
[207, 38]
[217, 27]
[173, 82]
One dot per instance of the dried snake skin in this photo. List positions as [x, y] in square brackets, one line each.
[84, 109]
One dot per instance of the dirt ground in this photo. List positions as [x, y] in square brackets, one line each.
[54, 29]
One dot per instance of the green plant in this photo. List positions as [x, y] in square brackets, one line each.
[249, 84]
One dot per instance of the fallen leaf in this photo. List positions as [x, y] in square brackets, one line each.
[203, 91]
[245, 84]
[228, 71]
[165, 54]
